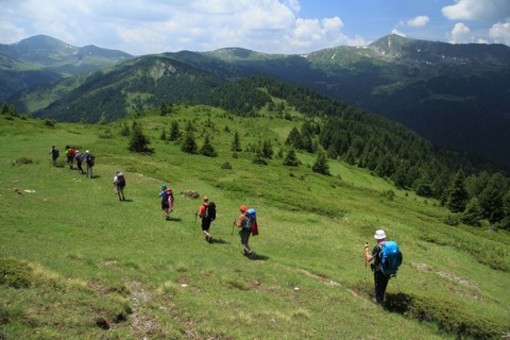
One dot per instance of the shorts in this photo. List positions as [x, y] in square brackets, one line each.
[206, 224]
[164, 205]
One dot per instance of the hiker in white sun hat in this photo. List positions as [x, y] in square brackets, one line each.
[380, 279]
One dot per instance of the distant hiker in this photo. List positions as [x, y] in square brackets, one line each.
[207, 212]
[78, 157]
[90, 161]
[245, 225]
[119, 183]
[167, 201]
[387, 258]
[54, 155]
[70, 151]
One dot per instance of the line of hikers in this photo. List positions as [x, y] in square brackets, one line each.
[73, 156]
[386, 255]
[247, 221]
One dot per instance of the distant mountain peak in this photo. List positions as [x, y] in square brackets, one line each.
[238, 53]
[398, 48]
[42, 41]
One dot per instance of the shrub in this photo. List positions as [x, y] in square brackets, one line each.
[50, 122]
[451, 219]
[15, 274]
[23, 160]
[451, 317]
[226, 166]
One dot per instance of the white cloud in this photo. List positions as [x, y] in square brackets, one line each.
[397, 32]
[481, 10]
[418, 21]
[154, 26]
[460, 34]
[500, 32]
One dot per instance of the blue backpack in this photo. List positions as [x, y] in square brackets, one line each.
[252, 216]
[391, 258]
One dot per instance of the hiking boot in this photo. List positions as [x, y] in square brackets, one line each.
[209, 239]
[167, 218]
[378, 303]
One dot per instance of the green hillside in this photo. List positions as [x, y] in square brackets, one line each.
[77, 263]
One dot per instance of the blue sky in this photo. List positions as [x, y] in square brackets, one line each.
[272, 26]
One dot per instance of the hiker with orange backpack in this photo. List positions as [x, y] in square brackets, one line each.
[245, 224]
[387, 258]
[167, 201]
[207, 213]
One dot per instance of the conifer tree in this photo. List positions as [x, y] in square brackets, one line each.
[473, 213]
[189, 145]
[321, 165]
[291, 159]
[491, 198]
[236, 143]
[267, 149]
[175, 133]
[207, 149]
[139, 142]
[457, 195]
[163, 135]
[294, 139]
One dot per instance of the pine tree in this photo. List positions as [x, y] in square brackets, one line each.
[294, 139]
[175, 133]
[473, 213]
[321, 164]
[189, 145]
[163, 135]
[491, 198]
[267, 149]
[291, 159]
[457, 195]
[138, 142]
[236, 143]
[207, 149]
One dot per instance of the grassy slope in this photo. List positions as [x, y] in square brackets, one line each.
[93, 258]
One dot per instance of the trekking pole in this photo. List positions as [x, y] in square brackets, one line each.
[398, 286]
[233, 224]
[366, 262]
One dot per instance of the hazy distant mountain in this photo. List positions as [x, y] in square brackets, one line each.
[42, 60]
[457, 96]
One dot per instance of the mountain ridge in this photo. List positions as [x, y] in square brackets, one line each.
[431, 87]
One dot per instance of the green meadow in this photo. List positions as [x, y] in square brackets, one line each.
[76, 263]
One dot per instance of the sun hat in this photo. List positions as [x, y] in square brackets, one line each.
[243, 208]
[380, 234]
